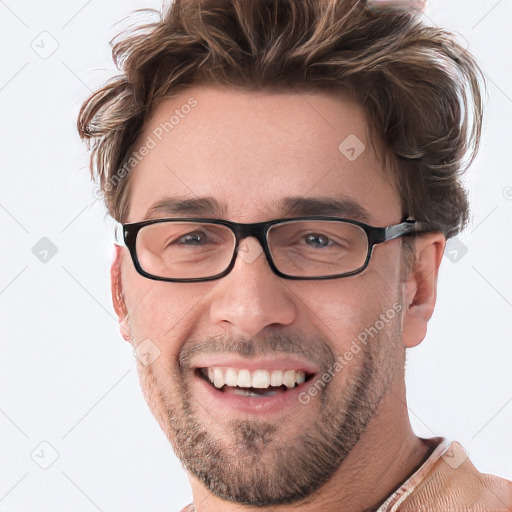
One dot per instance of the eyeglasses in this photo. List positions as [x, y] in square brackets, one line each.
[192, 249]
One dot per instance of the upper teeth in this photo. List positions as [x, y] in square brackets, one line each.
[253, 378]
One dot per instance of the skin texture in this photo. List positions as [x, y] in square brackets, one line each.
[351, 445]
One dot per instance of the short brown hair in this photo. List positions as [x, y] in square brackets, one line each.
[422, 92]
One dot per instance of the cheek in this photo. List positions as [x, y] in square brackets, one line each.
[343, 309]
[165, 313]
[385, 267]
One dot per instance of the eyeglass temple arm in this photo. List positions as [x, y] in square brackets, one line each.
[405, 228]
[119, 234]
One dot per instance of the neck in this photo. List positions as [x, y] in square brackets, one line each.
[387, 453]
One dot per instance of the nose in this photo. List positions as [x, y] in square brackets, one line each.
[251, 297]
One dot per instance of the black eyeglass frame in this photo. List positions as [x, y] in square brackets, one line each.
[259, 230]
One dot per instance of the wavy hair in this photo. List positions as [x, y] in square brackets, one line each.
[421, 90]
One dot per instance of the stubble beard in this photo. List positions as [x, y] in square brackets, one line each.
[253, 463]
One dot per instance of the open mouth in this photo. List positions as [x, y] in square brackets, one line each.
[252, 382]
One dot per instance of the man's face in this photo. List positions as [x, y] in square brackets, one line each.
[250, 152]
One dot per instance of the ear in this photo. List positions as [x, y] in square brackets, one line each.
[117, 293]
[420, 287]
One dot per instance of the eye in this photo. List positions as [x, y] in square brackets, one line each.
[194, 238]
[317, 240]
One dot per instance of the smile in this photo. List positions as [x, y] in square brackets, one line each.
[258, 382]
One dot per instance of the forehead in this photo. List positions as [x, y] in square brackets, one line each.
[255, 153]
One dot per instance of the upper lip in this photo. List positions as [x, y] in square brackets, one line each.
[260, 363]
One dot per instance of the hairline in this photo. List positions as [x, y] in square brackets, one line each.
[388, 163]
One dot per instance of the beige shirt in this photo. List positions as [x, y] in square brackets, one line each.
[447, 482]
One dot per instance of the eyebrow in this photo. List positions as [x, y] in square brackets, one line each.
[330, 206]
[201, 206]
[288, 207]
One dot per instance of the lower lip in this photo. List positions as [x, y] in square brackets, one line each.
[211, 397]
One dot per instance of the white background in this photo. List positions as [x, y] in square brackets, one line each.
[66, 376]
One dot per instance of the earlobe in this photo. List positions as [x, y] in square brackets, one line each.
[420, 287]
[117, 294]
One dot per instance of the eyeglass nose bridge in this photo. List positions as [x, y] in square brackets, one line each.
[257, 230]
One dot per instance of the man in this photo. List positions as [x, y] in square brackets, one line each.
[286, 173]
